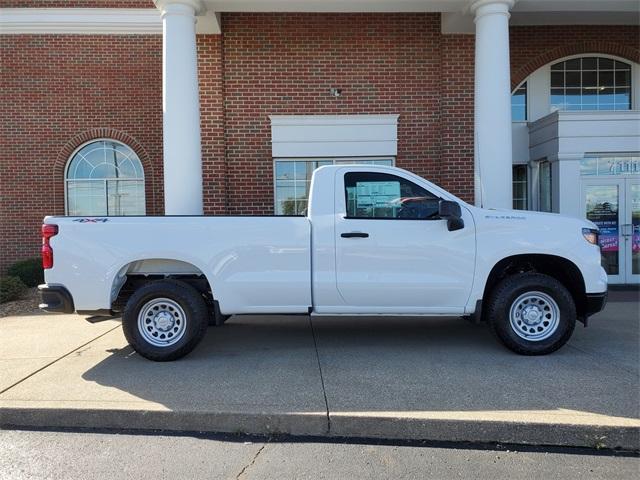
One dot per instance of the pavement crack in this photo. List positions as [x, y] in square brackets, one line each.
[324, 390]
[251, 463]
[57, 360]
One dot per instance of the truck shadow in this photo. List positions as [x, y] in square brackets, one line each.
[288, 364]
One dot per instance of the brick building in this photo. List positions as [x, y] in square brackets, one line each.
[258, 94]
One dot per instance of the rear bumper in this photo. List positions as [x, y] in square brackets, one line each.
[55, 298]
[595, 302]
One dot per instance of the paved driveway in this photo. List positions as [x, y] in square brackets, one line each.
[439, 379]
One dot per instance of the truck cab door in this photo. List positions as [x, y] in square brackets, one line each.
[394, 254]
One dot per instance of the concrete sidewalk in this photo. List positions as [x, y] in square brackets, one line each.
[398, 378]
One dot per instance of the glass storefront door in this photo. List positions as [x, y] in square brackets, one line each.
[613, 204]
[631, 229]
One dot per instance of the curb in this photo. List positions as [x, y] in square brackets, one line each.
[340, 426]
[490, 431]
[222, 422]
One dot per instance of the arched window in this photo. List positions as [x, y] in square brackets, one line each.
[591, 83]
[104, 177]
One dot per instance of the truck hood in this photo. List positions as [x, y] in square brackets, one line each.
[542, 220]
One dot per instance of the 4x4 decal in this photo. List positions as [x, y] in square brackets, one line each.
[91, 220]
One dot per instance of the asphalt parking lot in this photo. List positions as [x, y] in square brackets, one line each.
[92, 456]
[440, 379]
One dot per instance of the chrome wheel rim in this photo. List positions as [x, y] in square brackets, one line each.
[534, 316]
[162, 322]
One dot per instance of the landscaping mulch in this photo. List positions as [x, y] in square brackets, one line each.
[27, 305]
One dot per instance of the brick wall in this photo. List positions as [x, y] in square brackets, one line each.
[61, 90]
[456, 109]
[210, 77]
[286, 64]
[57, 92]
[533, 47]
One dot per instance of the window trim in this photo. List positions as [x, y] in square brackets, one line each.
[346, 200]
[320, 159]
[95, 140]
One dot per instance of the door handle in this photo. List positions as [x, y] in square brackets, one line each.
[354, 235]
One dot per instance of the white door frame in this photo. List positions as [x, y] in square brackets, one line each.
[625, 228]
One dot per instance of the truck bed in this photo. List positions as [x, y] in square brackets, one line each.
[253, 264]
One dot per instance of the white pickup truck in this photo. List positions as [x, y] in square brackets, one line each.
[375, 241]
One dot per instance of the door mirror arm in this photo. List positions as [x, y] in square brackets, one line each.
[452, 213]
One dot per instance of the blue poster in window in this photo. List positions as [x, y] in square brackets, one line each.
[607, 221]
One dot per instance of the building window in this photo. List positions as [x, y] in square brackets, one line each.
[591, 83]
[544, 186]
[293, 179]
[520, 197]
[603, 164]
[519, 104]
[104, 177]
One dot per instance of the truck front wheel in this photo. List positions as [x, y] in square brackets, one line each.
[532, 313]
[165, 320]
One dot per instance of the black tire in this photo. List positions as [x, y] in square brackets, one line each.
[508, 291]
[195, 320]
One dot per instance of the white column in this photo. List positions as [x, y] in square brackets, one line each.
[493, 163]
[181, 108]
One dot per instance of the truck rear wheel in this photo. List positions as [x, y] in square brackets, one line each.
[531, 313]
[165, 320]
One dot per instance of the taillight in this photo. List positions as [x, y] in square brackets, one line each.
[48, 231]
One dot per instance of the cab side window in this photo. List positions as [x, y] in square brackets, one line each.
[382, 195]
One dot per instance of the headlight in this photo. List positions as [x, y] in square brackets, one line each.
[590, 235]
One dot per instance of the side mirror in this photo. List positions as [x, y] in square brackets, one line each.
[452, 213]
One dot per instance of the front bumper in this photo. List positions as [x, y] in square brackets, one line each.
[595, 303]
[55, 298]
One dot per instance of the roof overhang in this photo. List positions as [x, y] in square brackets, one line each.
[456, 15]
[451, 6]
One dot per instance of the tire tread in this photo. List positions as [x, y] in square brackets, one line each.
[498, 312]
[198, 318]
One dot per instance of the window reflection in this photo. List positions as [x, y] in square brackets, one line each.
[382, 195]
[519, 104]
[602, 209]
[610, 165]
[520, 187]
[591, 83]
[544, 187]
[293, 181]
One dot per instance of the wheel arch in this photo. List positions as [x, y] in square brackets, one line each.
[560, 268]
[135, 273]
